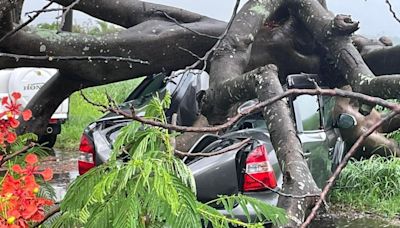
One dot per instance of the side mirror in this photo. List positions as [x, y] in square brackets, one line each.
[346, 121]
[246, 105]
[302, 81]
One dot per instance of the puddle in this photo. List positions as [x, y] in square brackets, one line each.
[353, 220]
[65, 169]
[60, 183]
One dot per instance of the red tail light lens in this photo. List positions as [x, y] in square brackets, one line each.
[86, 158]
[53, 121]
[259, 172]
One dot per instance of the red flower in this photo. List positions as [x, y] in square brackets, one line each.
[12, 110]
[31, 159]
[11, 137]
[20, 204]
[30, 169]
[12, 106]
[27, 115]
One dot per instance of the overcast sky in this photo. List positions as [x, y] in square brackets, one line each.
[373, 14]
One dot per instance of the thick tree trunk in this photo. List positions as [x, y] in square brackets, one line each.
[376, 143]
[46, 101]
[297, 177]
[128, 13]
[333, 35]
[232, 57]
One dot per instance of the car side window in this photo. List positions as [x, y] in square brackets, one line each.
[307, 113]
[328, 106]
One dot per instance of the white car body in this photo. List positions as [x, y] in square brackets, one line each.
[28, 81]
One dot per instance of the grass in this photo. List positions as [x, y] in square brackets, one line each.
[370, 185]
[81, 113]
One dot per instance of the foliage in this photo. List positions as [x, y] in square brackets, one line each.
[151, 189]
[20, 203]
[81, 113]
[370, 185]
[100, 28]
[8, 118]
[395, 135]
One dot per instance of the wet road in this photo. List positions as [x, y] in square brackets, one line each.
[65, 169]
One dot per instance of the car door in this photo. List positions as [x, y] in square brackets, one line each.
[317, 138]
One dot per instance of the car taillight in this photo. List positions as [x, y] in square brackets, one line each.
[259, 173]
[53, 121]
[86, 157]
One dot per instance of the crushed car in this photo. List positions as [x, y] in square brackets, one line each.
[251, 169]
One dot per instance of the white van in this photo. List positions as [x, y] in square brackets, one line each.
[28, 81]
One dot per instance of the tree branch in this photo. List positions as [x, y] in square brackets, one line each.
[21, 26]
[333, 35]
[127, 13]
[78, 58]
[297, 178]
[232, 55]
[392, 11]
[65, 12]
[16, 153]
[54, 210]
[232, 120]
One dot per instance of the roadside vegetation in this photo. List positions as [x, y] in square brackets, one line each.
[90, 28]
[370, 185]
[81, 113]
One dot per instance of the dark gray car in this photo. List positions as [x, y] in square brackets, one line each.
[252, 168]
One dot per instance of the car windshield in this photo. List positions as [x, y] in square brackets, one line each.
[157, 84]
[255, 120]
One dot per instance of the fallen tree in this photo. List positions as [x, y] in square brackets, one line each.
[295, 35]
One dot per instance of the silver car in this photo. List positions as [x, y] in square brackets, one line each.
[251, 169]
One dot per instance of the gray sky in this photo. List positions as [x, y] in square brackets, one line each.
[373, 14]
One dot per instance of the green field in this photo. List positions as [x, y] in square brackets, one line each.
[81, 113]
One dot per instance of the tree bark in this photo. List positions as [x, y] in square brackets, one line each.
[375, 143]
[232, 57]
[297, 177]
[128, 13]
[46, 101]
[333, 34]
